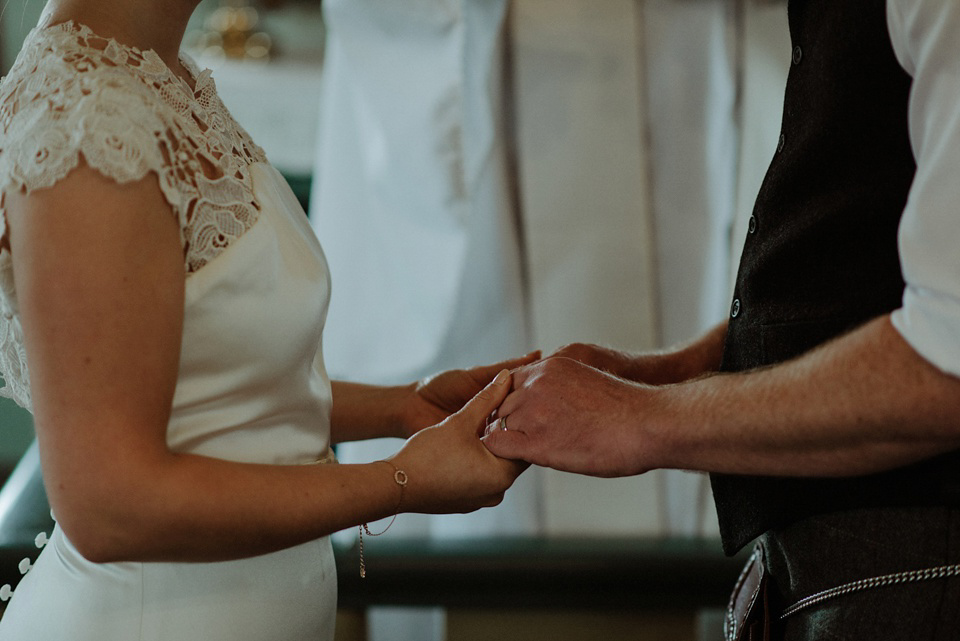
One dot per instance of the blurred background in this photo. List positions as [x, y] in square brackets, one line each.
[490, 176]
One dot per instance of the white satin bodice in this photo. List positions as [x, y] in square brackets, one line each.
[252, 386]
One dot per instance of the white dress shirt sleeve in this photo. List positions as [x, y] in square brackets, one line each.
[926, 38]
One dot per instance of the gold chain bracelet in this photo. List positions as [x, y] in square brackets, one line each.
[400, 478]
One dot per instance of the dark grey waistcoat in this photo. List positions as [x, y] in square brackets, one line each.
[821, 254]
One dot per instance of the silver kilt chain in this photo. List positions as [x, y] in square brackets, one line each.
[912, 576]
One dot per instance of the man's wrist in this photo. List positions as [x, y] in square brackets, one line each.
[660, 438]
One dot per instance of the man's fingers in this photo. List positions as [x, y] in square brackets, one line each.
[485, 372]
[526, 359]
[508, 444]
[525, 373]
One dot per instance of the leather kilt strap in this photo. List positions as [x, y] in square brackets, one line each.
[749, 613]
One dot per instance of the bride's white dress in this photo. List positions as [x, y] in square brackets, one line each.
[251, 385]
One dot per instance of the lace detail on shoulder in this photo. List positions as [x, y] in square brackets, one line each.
[71, 92]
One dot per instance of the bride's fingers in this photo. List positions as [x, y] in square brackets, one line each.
[476, 411]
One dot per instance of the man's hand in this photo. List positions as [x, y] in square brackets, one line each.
[680, 363]
[602, 358]
[571, 417]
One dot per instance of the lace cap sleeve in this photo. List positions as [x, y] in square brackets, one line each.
[49, 118]
[71, 93]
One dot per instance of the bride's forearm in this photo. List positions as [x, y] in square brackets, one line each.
[193, 508]
[146, 503]
[363, 412]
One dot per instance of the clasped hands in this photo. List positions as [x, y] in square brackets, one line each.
[569, 411]
[573, 411]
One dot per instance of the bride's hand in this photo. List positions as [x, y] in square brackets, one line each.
[433, 399]
[448, 467]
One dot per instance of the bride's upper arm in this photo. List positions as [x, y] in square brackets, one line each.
[99, 274]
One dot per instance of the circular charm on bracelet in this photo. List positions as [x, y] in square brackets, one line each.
[400, 478]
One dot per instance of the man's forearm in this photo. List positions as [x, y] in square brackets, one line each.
[862, 403]
[682, 363]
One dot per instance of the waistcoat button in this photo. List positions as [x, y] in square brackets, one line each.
[752, 225]
[735, 309]
[780, 143]
[797, 55]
